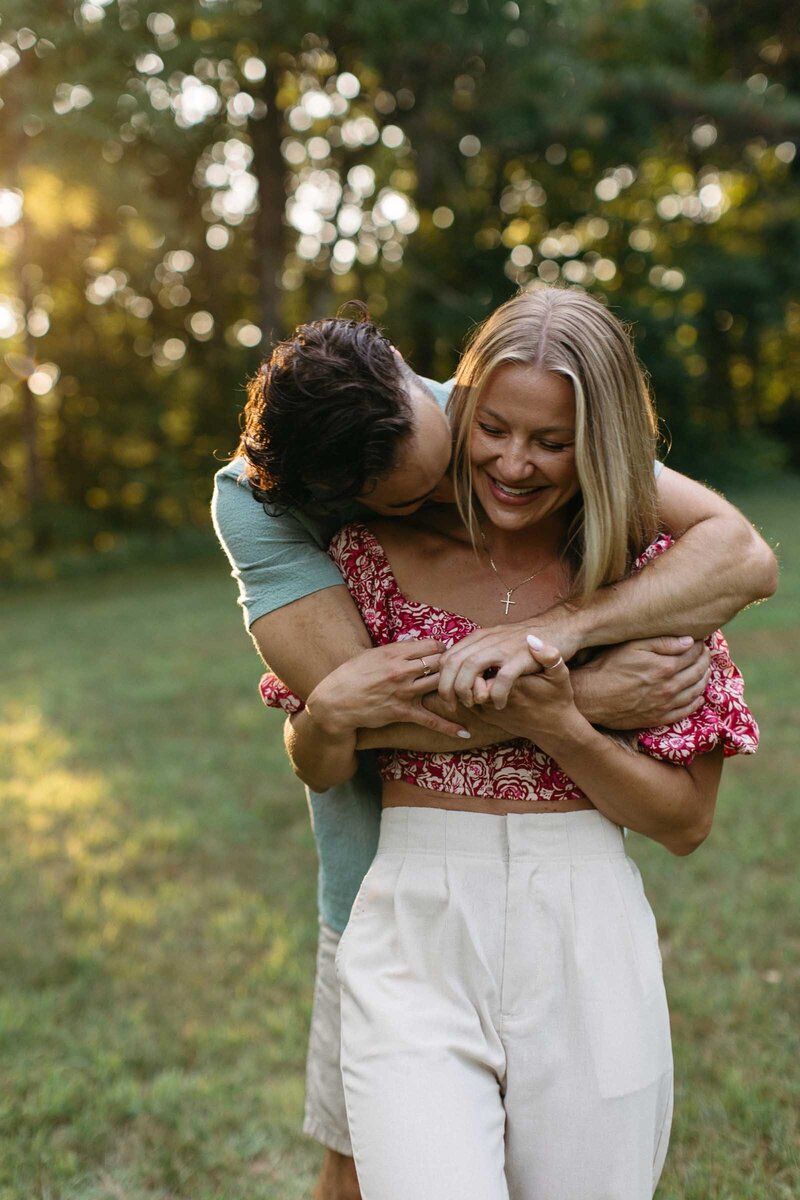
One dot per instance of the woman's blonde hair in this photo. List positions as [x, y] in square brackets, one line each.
[569, 332]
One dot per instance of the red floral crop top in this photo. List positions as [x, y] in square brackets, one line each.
[513, 770]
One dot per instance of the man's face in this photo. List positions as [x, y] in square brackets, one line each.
[421, 464]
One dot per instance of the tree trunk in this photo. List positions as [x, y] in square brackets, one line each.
[270, 231]
[37, 521]
[30, 423]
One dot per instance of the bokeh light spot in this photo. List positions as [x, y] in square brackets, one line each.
[347, 85]
[254, 69]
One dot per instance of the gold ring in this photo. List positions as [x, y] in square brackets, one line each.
[554, 666]
[426, 670]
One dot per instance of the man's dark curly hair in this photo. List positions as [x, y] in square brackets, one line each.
[325, 414]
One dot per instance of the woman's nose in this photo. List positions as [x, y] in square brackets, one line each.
[515, 463]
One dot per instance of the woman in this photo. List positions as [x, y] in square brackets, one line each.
[504, 1024]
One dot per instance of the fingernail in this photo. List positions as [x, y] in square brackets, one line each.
[534, 642]
[686, 641]
[464, 733]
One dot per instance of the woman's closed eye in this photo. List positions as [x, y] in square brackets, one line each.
[494, 432]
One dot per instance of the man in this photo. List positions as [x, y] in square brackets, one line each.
[336, 427]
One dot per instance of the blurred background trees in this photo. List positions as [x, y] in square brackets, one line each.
[181, 183]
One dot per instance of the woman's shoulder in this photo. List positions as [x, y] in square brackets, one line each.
[387, 553]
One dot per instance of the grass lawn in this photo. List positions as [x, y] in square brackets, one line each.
[158, 886]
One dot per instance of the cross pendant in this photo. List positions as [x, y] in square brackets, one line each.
[508, 602]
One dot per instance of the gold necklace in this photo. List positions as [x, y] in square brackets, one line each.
[509, 591]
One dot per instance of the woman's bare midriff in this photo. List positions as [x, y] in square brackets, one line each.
[406, 795]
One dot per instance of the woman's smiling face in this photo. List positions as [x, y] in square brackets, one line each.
[522, 448]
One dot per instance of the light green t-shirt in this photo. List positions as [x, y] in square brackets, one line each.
[276, 560]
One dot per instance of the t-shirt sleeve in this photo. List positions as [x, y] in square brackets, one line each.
[723, 720]
[274, 559]
[439, 391]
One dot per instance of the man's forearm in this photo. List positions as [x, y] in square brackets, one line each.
[426, 741]
[711, 573]
[588, 688]
[405, 736]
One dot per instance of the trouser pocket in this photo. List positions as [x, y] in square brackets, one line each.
[618, 969]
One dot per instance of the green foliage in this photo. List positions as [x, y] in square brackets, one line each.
[199, 175]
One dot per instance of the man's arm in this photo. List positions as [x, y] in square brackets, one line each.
[647, 683]
[717, 567]
[402, 736]
[306, 640]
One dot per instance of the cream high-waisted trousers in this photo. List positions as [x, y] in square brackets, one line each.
[505, 1033]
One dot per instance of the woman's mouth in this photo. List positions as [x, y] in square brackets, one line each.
[513, 496]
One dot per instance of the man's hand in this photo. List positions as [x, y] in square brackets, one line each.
[382, 686]
[504, 648]
[654, 681]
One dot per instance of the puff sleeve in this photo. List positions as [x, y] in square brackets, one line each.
[723, 719]
[276, 694]
[365, 569]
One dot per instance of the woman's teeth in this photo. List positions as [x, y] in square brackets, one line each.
[503, 487]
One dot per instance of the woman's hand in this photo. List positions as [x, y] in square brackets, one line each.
[380, 687]
[503, 649]
[539, 703]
